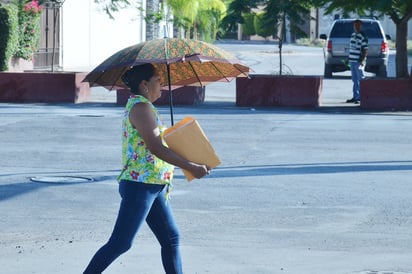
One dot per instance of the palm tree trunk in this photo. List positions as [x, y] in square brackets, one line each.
[152, 28]
[194, 31]
[239, 32]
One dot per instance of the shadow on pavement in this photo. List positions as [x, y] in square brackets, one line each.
[315, 168]
[11, 190]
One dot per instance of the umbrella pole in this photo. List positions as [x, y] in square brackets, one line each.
[170, 94]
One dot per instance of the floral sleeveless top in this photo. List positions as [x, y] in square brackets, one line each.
[139, 164]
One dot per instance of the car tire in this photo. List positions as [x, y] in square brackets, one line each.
[382, 72]
[328, 71]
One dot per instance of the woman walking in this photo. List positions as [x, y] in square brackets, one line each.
[146, 178]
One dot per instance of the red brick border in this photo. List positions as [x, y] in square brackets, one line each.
[43, 87]
[386, 94]
[275, 90]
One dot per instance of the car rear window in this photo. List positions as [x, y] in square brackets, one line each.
[345, 29]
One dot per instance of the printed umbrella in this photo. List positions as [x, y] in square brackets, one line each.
[180, 62]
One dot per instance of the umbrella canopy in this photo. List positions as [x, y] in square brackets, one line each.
[180, 62]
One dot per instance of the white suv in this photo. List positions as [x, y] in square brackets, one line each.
[337, 47]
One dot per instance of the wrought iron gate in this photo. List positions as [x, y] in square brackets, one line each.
[48, 55]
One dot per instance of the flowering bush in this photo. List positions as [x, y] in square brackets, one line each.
[29, 28]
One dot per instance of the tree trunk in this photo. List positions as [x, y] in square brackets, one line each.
[281, 37]
[239, 32]
[188, 31]
[401, 49]
[280, 56]
[194, 31]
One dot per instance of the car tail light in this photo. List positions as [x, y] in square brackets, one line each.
[329, 46]
[384, 47]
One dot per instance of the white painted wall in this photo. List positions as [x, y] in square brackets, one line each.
[89, 36]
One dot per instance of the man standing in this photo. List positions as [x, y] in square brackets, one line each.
[358, 50]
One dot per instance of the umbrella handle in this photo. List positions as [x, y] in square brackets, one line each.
[170, 94]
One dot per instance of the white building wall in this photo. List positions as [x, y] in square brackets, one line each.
[89, 36]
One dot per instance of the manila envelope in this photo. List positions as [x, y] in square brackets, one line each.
[187, 139]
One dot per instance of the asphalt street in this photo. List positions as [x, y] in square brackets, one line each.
[299, 191]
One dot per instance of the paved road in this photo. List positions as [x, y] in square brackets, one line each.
[323, 191]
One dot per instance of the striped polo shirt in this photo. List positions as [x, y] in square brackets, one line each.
[358, 43]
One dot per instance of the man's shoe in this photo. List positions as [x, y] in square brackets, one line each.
[356, 102]
[351, 100]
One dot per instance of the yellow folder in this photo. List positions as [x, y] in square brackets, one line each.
[187, 139]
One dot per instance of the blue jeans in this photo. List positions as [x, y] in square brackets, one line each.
[357, 76]
[141, 202]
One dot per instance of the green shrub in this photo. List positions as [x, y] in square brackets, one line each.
[262, 29]
[249, 26]
[8, 34]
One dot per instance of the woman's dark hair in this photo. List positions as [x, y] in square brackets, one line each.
[134, 76]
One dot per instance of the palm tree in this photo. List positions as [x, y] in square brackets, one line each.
[184, 13]
[189, 16]
[196, 16]
[208, 19]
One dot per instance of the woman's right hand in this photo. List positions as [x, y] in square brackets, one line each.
[199, 170]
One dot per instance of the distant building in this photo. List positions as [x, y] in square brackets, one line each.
[81, 35]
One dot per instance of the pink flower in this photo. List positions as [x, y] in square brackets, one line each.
[33, 6]
[167, 175]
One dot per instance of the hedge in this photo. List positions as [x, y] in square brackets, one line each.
[9, 34]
